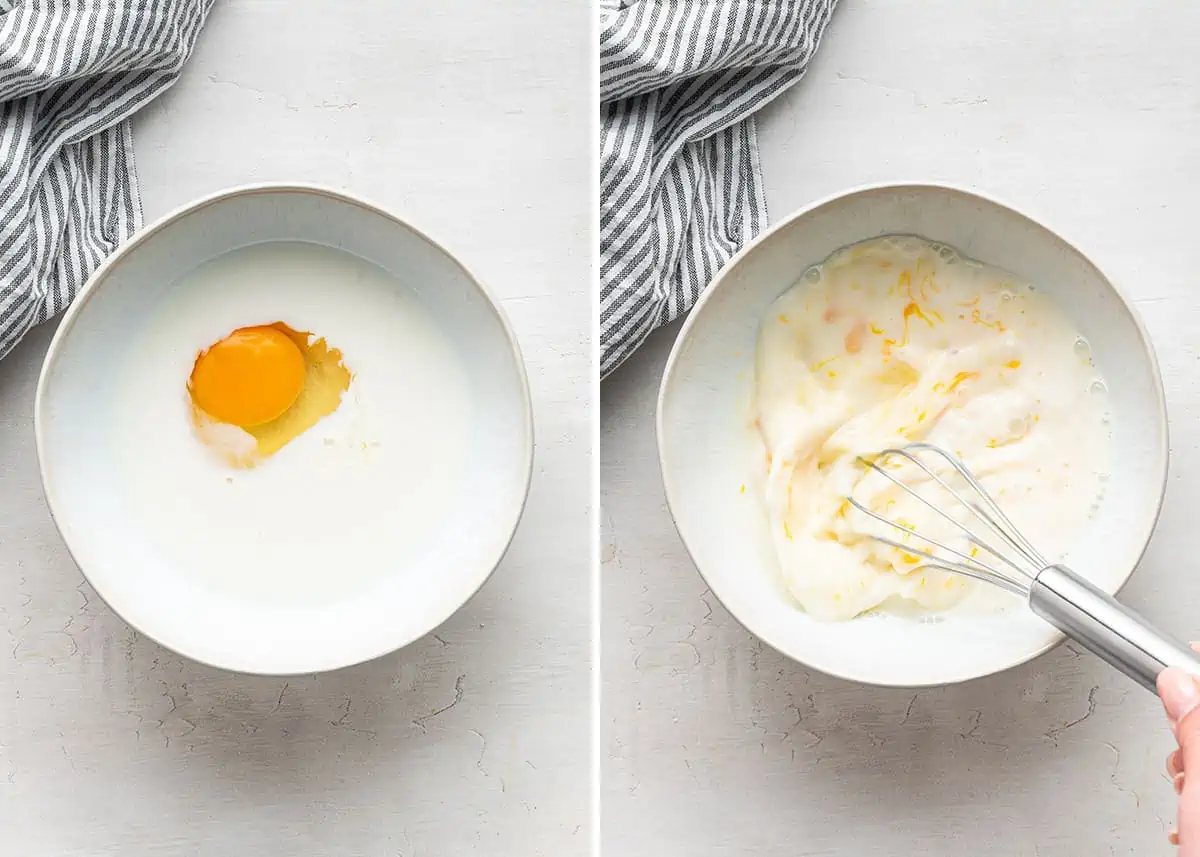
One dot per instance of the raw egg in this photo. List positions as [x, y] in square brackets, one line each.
[261, 387]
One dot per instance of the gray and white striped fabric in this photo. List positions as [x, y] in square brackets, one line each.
[72, 72]
[680, 183]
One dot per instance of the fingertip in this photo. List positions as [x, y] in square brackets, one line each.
[1174, 764]
[1165, 678]
[1179, 692]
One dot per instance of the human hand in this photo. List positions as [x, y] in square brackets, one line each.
[1180, 694]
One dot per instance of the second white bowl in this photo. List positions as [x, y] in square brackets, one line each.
[703, 444]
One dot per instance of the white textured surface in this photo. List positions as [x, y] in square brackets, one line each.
[1085, 115]
[471, 741]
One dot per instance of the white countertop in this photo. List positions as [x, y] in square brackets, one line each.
[1088, 116]
[471, 120]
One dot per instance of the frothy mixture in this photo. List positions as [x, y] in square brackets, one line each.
[898, 340]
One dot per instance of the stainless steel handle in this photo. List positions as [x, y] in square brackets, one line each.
[1107, 629]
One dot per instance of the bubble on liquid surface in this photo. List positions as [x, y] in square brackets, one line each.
[813, 274]
[905, 244]
[1098, 386]
[1082, 347]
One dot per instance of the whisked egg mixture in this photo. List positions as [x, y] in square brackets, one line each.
[898, 340]
[293, 422]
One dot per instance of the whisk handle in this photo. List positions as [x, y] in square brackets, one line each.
[1106, 628]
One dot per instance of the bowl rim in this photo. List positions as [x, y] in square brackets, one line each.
[145, 233]
[1150, 521]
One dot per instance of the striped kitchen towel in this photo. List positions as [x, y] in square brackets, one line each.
[680, 183]
[72, 72]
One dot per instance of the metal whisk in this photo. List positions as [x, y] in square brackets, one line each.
[1005, 558]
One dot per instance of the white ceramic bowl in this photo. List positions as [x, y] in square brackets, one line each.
[703, 443]
[112, 548]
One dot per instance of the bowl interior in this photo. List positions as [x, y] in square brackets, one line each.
[110, 544]
[704, 442]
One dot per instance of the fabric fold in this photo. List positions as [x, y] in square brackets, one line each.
[71, 75]
[680, 182]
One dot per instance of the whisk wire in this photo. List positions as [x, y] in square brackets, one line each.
[1008, 531]
[971, 535]
[970, 566]
[1014, 574]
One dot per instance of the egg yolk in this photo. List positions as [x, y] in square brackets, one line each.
[260, 388]
[250, 377]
